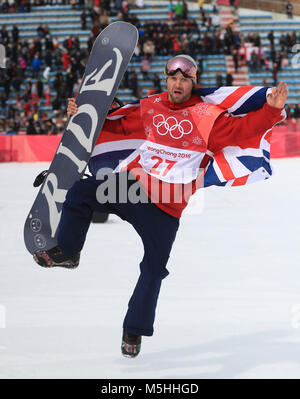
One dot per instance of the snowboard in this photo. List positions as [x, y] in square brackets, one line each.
[107, 63]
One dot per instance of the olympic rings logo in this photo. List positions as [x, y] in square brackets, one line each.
[171, 125]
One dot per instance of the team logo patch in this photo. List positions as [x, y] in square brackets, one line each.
[171, 125]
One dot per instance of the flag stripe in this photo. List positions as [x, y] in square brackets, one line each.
[240, 181]
[224, 166]
[233, 97]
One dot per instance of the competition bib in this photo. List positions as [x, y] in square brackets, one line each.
[176, 140]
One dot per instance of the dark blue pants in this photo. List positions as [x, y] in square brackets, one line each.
[156, 228]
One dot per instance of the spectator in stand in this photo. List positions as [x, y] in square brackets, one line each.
[47, 93]
[229, 79]
[96, 29]
[185, 9]
[278, 60]
[133, 83]
[176, 46]
[3, 103]
[28, 88]
[50, 127]
[214, 4]
[137, 51]
[207, 43]
[125, 81]
[171, 10]
[145, 68]
[289, 42]
[40, 31]
[274, 73]
[23, 65]
[233, 6]
[97, 6]
[57, 82]
[68, 44]
[16, 83]
[118, 5]
[208, 23]
[4, 36]
[289, 10]
[56, 104]
[253, 63]
[70, 81]
[203, 17]
[66, 60]
[49, 44]
[216, 21]
[125, 9]
[36, 65]
[83, 18]
[200, 67]
[178, 10]
[228, 42]
[46, 31]
[34, 95]
[31, 127]
[76, 87]
[90, 42]
[156, 83]
[219, 79]
[285, 60]
[103, 19]
[15, 34]
[200, 4]
[40, 88]
[149, 49]
[293, 38]
[283, 42]
[271, 38]
[297, 111]
[236, 60]
[48, 58]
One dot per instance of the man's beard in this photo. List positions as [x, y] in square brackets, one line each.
[180, 98]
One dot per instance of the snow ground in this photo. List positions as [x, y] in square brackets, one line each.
[230, 307]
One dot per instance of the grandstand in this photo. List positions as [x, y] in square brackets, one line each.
[64, 21]
[263, 22]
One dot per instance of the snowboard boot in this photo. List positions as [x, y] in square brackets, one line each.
[131, 344]
[55, 257]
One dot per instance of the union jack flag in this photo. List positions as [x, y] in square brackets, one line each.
[232, 166]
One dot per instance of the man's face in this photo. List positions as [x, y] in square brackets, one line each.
[179, 88]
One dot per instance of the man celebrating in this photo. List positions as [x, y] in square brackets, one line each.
[180, 135]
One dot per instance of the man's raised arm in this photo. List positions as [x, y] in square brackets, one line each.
[233, 130]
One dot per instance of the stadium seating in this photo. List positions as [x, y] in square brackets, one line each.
[64, 21]
[263, 23]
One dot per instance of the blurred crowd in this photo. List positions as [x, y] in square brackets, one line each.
[41, 73]
[16, 6]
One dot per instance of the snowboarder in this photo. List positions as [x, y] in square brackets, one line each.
[180, 132]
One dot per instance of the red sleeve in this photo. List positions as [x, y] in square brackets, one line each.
[231, 130]
[127, 124]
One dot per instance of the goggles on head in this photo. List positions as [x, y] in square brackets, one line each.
[182, 64]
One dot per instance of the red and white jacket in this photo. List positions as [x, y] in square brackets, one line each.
[174, 137]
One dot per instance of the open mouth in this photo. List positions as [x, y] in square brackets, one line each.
[177, 92]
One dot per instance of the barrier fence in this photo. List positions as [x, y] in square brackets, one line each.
[21, 148]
